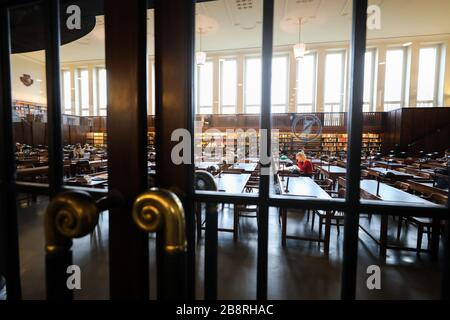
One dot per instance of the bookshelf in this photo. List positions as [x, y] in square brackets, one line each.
[290, 143]
[96, 139]
[151, 140]
[371, 141]
[228, 142]
[334, 143]
[24, 109]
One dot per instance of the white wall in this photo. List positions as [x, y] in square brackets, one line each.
[36, 93]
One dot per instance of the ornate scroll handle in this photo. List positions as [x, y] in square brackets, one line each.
[71, 214]
[159, 209]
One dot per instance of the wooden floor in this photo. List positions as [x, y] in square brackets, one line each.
[300, 271]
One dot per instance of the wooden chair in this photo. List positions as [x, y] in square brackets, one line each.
[233, 171]
[365, 175]
[424, 224]
[326, 185]
[402, 186]
[406, 188]
[424, 175]
[83, 167]
[336, 216]
[341, 164]
[244, 211]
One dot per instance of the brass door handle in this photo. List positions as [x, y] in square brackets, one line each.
[70, 214]
[74, 214]
[159, 209]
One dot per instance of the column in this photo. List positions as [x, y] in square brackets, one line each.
[320, 92]
[380, 68]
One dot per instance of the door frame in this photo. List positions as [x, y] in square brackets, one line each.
[168, 87]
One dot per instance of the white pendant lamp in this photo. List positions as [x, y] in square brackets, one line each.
[300, 47]
[200, 56]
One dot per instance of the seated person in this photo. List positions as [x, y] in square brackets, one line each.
[78, 152]
[305, 165]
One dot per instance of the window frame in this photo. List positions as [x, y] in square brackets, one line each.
[286, 93]
[83, 111]
[247, 106]
[341, 105]
[391, 105]
[198, 88]
[68, 111]
[314, 93]
[100, 109]
[222, 106]
[373, 80]
[434, 102]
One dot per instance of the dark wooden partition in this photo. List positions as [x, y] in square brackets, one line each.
[416, 129]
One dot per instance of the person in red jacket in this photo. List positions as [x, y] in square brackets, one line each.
[305, 166]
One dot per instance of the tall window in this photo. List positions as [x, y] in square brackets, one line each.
[428, 77]
[102, 94]
[252, 86]
[279, 84]
[228, 86]
[205, 88]
[306, 83]
[394, 86]
[84, 91]
[369, 81]
[153, 89]
[334, 82]
[67, 92]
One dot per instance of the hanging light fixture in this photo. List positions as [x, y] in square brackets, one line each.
[200, 56]
[300, 47]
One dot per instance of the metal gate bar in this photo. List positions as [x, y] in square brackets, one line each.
[266, 127]
[174, 98]
[9, 237]
[211, 244]
[355, 132]
[126, 61]
[53, 74]
[8, 213]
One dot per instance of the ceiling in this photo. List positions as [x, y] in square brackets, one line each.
[236, 24]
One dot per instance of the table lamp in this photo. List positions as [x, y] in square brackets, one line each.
[329, 162]
[380, 175]
[286, 190]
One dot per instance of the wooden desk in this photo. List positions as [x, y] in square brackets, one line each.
[389, 165]
[332, 172]
[388, 193]
[97, 180]
[93, 183]
[229, 183]
[205, 165]
[98, 163]
[232, 183]
[318, 162]
[35, 162]
[27, 172]
[432, 165]
[393, 174]
[246, 167]
[303, 187]
[426, 187]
